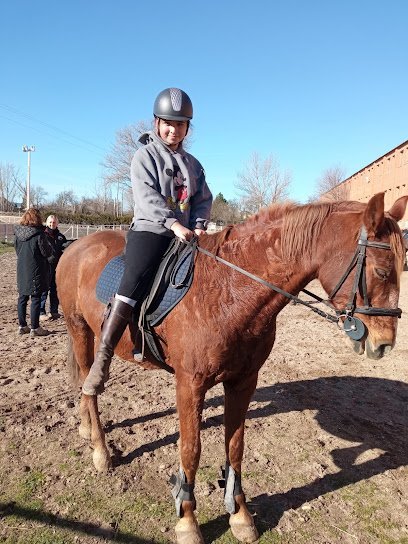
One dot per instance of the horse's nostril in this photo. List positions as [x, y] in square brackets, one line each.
[379, 351]
[387, 348]
[358, 346]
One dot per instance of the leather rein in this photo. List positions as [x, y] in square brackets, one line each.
[351, 325]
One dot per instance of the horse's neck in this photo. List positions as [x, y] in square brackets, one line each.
[261, 254]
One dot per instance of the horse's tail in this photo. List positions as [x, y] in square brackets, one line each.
[73, 367]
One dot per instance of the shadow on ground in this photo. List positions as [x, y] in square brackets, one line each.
[368, 411]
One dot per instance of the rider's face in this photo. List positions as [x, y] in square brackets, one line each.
[172, 132]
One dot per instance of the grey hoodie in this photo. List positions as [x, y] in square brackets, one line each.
[167, 186]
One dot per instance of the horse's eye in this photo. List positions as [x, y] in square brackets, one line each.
[381, 273]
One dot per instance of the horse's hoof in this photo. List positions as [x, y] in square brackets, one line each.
[243, 528]
[188, 532]
[102, 460]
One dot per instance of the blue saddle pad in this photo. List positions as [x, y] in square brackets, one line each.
[171, 283]
[109, 280]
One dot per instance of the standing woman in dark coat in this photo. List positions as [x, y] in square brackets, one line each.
[33, 250]
[57, 241]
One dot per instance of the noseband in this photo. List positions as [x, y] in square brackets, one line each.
[358, 261]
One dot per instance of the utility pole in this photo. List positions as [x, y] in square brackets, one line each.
[28, 150]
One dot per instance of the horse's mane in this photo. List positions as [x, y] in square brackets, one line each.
[256, 224]
[301, 226]
[396, 243]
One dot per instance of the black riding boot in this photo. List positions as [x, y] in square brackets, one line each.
[112, 329]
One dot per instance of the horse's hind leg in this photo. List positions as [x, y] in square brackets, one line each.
[237, 398]
[81, 353]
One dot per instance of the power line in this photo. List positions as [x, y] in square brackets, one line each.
[52, 127]
[44, 132]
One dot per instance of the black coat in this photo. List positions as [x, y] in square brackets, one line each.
[58, 241]
[33, 250]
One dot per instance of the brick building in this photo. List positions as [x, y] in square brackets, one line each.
[388, 173]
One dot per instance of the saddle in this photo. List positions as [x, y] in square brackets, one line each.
[170, 284]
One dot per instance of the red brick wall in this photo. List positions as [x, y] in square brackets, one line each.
[389, 173]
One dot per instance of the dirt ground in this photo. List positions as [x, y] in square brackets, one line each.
[326, 442]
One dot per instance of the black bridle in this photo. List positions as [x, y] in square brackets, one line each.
[360, 283]
[353, 326]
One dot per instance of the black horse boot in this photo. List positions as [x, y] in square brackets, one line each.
[112, 329]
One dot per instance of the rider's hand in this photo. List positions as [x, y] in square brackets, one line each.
[199, 232]
[181, 232]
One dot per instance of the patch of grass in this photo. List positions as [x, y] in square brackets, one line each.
[269, 537]
[128, 513]
[208, 474]
[67, 503]
[6, 247]
[368, 508]
[29, 486]
[42, 535]
[128, 516]
[259, 475]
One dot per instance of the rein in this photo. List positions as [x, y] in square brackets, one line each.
[352, 326]
[294, 298]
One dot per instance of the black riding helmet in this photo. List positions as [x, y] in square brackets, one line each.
[173, 105]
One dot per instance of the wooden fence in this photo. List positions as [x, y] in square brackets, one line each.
[71, 232]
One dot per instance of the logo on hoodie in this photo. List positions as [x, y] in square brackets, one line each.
[180, 190]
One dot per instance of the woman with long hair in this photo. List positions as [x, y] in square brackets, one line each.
[33, 250]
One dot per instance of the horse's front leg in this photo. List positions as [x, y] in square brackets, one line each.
[237, 398]
[190, 400]
[91, 428]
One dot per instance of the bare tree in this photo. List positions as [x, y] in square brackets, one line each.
[102, 196]
[329, 186]
[37, 196]
[12, 188]
[128, 203]
[65, 200]
[86, 205]
[262, 182]
[117, 163]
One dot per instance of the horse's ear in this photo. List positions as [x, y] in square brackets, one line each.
[374, 214]
[397, 211]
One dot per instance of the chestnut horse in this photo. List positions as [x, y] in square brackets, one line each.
[224, 328]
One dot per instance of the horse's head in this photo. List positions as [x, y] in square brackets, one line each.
[362, 271]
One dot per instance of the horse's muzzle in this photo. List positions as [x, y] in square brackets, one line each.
[365, 346]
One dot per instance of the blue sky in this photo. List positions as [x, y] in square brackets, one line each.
[316, 83]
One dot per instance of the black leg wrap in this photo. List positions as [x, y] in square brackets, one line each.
[182, 491]
[231, 483]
